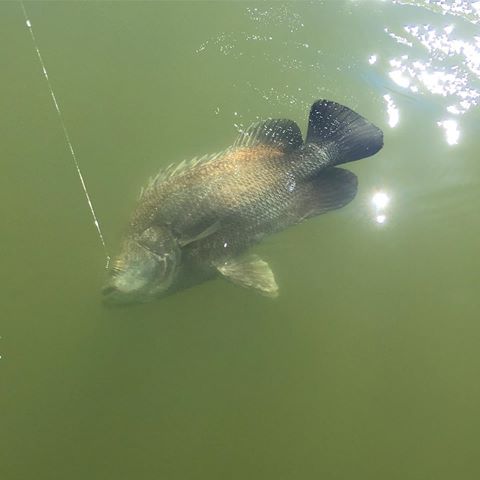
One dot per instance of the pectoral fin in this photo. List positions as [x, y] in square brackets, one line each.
[199, 235]
[250, 272]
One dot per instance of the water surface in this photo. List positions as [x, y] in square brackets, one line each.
[365, 367]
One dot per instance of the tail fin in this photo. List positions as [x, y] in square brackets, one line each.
[346, 134]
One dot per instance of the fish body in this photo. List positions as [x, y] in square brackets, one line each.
[199, 219]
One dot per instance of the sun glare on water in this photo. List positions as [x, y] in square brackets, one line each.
[380, 201]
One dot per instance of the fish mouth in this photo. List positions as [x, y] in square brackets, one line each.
[112, 296]
[109, 290]
[115, 297]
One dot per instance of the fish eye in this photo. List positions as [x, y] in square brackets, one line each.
[163, 263]
[148, 247]
[152, 246]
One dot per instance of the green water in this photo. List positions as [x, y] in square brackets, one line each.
[365, 367]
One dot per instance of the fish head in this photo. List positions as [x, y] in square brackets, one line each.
[144, 269]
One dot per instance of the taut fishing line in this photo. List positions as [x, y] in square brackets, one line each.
[66, 135]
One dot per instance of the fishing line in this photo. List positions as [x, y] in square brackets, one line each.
[66, 135]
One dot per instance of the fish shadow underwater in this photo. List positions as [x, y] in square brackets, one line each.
[197, 220]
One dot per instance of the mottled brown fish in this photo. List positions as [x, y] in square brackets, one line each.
[197, 220]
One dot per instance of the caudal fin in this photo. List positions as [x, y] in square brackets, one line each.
[345, 134]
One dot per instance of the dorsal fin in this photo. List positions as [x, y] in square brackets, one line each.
[281, 134]
[176, 169]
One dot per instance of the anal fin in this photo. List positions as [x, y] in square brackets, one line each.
[331, 189]
[250, 272]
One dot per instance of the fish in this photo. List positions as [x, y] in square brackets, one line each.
[199, 219]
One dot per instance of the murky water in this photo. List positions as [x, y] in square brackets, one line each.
[365, 367]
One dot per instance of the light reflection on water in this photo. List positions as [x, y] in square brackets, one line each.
[436, 61]
[392, 111]
[467, 9]
[452, 133]
[380, 201]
